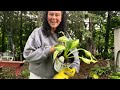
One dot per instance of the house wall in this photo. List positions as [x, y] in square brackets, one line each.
[117, 46]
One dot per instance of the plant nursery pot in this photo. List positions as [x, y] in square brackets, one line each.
[59, 65]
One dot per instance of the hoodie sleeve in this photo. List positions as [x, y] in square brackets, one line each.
[34, 52]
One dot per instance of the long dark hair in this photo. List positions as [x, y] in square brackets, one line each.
[62, 26]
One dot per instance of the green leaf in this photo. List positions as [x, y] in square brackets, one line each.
[95, 76]
[75, 43]
[94, 61]
[87, 53]
[118, 73]
[68, 44]
[87, 61]
[55, 54]
[59, 47]
[114, 77]
[63, 39]
[73, 51]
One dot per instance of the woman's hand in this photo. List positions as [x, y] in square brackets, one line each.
[52, 49]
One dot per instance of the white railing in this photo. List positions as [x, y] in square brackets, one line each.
[7, 58]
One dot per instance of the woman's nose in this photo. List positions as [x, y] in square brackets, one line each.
[54, 17]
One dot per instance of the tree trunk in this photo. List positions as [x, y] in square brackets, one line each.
[90, 41]
[21, 47]
[3, 31]
[108, 28]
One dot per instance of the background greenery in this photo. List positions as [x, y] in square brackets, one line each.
[94, 29]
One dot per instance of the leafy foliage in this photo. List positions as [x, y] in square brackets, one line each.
[96, 72]
[25, 73]
[68, 46]
[114, 75]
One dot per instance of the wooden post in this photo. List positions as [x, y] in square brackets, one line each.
[117, 47]
[0, 69]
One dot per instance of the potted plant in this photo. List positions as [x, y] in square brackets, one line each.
[63, 55]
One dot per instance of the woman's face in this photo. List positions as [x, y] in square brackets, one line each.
[54, 19]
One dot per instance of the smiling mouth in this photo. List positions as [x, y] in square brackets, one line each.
[53, 23]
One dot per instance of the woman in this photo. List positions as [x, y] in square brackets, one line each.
[39, 48]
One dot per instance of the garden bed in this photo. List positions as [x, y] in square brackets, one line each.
[86, 68]
[8, 73]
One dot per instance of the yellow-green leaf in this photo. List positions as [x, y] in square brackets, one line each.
[118, 73]
[95, 76]
[63, 39]
[68, 44]
[75, 43]
[87, 53]
[94, 61]
[59, 47]
[87, 61]
[55, 54]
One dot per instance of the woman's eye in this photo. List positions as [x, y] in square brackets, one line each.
[57, 15]
[51, 14]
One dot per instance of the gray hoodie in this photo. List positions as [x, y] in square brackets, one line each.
[37, 53]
